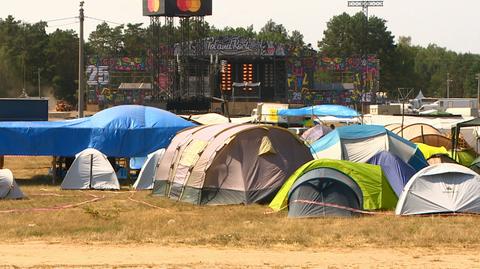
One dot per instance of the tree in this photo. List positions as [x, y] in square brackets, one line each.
[106, 41]
[136, 40]
[345, 37]
[274, 32]
[62, 64]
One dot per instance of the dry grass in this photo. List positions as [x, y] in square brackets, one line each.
[117, 219]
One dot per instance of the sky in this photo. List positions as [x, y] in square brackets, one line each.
[448, 23]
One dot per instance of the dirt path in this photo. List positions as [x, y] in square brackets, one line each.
[52, 255]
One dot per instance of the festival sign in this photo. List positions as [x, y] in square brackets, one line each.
[230, 46]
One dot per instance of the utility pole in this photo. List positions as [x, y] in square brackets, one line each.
[477, 76]
[448, 85]
[81, 81]
[39, 87]
[365, 5]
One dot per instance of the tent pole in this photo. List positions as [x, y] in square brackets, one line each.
[91, 171]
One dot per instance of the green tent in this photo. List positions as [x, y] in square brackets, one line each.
[377, 192]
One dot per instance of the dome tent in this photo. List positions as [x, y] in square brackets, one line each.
[343, 180]
[8, 187]
[147, 173]
[90, 170]
[359, 143]
[228, 164]
[441, 188]
[396, 171]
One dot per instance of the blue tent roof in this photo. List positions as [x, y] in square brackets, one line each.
[122, 131]
[359, 132]
[397, 171]
[320, 110]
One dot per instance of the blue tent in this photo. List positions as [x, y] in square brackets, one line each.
[320, 110]
[397, 171]
[359, 143]
[122, 131]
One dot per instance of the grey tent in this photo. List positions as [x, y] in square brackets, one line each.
[8, 187]
[324, 185]
[90, 170]
[147, 173]
[441, 188]
[229, 164]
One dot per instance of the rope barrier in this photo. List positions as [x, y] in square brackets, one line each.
[145, 203]
[354, 210]
[54, 208]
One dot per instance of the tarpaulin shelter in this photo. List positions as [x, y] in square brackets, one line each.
[375, 189]
[8, 187]
[441, 188]
[147, 173]
[456, 133]
[396, 171]
[90, 170]
[229, 164]
[359, 143]
[320, 110]
[122, 131]
[316, 132]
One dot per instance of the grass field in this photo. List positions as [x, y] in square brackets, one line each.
[136, 217]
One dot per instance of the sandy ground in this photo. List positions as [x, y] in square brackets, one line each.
[60, 255]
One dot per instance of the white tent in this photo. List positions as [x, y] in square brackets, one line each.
[441, 188]
[147, 174]
[8, 187]
[90, 170]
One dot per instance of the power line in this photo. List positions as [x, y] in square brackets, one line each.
[61, 25]
[61, 19]
[103, 20]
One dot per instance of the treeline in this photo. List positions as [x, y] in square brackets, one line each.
[26, 50]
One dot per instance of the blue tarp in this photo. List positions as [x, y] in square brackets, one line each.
[397, 171]
[122, 131]
[320, 110]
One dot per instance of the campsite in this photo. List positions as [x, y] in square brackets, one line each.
[239, 134]
[235, 187]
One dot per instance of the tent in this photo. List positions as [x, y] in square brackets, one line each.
[229, 164]
[320, 110]
[441, 188]
[121, 131]
[90, 170]
[316, 132]
[8, 187]
[442, 155]
[376, 191]
[147, 173]
[215, 118]
[396, 171]
[423, 133]
[359, 143]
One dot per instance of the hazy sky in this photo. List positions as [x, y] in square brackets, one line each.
[448, 23]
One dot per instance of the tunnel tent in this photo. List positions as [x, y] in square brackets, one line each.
[439, 189]
[229, 164]
[90, 170]
[359, 143]
[376, 190]
[396, 171]
[9, 188]
[147, 173]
